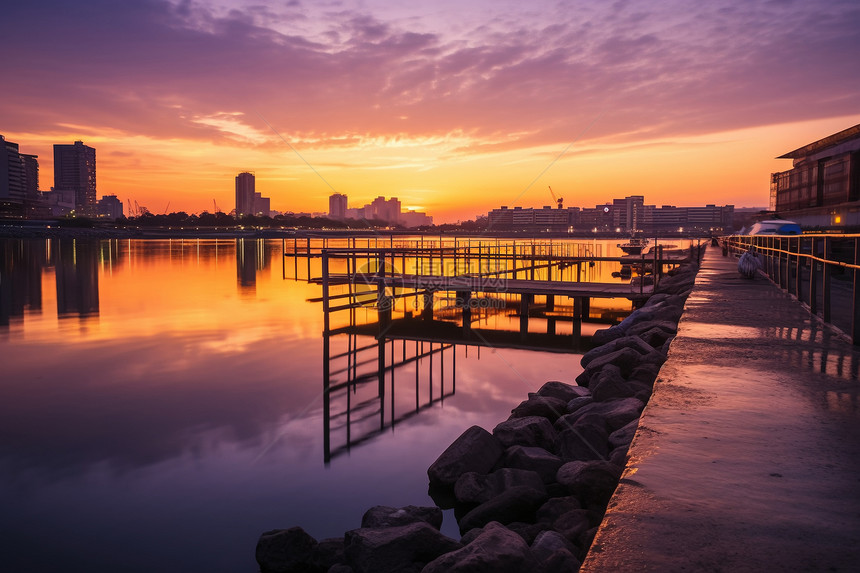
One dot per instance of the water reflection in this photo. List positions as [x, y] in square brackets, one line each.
[77, 265]
[251, 258]
[21, 264]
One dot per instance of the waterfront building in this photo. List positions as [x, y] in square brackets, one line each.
[822, 189]
[19, 180]
[413, 219]
[627, 215]
[110, 207]
[248, 201]
[337, 206]
[75, 170]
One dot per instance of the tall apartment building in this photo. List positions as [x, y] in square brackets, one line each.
[337, 206]
[248, 201]
[19, 180]
[75, 170]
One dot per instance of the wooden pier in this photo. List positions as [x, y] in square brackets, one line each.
[353, 276]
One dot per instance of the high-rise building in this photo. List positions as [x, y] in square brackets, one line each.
[248, 201]
[337, 206]
[245, 184]
[75, 169]
[12, 179]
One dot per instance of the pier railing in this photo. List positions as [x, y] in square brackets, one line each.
[821, 270]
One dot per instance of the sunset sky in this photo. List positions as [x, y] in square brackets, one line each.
[455, 107]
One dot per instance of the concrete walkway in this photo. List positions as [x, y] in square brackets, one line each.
[747, 457]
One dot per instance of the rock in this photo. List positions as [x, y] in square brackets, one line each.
[634, 342]
[401, 548]
[578, 403]
[562, 391]
[603, 336]
[616, 413]
[592, 481]
[528, 531]
[384, 516]
[624, 358]
[528, 431]
[572, 524]
[515, 504]
[623, 435]
[665, 348]
[666, 326]
[340, 568]
[476, 450]
[545, 406]
[543, 462]
[645, 373]
[555, 507]
[554, 552]
[608, 384]
[584, 442]
[473, 487]
[286, 551]
[495, 550]
[329, 553]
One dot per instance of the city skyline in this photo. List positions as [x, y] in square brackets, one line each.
[684, 104]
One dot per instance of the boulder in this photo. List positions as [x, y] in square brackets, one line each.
[584, 442]
[328, 553]
[543, 462]
[528, 531]
[515, 504]
[578, 403]
[545, 406]
[384, 516]
[286, 551]
[624, 358]
[603, 336]
[554, 552]
[473, 487]
[572, 524]
[476, 450]
[555, 507]
[616, 413]
[623, 436]
[495, 550]
[591, 481]
[528, 431]
[627, 341]
[402, 548]
[562, 391]
[609, 383]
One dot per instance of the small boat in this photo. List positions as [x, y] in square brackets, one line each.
[634, 246]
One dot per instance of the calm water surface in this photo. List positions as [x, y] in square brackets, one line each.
[161, 405]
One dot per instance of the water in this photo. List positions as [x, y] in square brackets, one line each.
[161, 405]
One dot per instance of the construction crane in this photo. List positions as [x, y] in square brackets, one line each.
[559, 200]
[215, 205]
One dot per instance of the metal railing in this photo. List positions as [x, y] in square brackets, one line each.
[821, 271]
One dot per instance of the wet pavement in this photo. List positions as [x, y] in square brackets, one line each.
[747, 457]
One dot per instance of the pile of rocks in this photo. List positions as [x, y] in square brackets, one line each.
[530, 495]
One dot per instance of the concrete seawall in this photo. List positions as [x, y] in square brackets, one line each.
[747, 457]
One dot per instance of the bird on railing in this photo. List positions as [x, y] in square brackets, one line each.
[749, 265]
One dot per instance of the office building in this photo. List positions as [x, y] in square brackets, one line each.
[822, 189]
[19, 180]
[75, 170]
[337, 206]
[248, 201]
[110, 207]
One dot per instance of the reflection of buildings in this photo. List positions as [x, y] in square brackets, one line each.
[77, 269]
[75, 170]
[248, 201]
[250, 257]
[21, 264]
